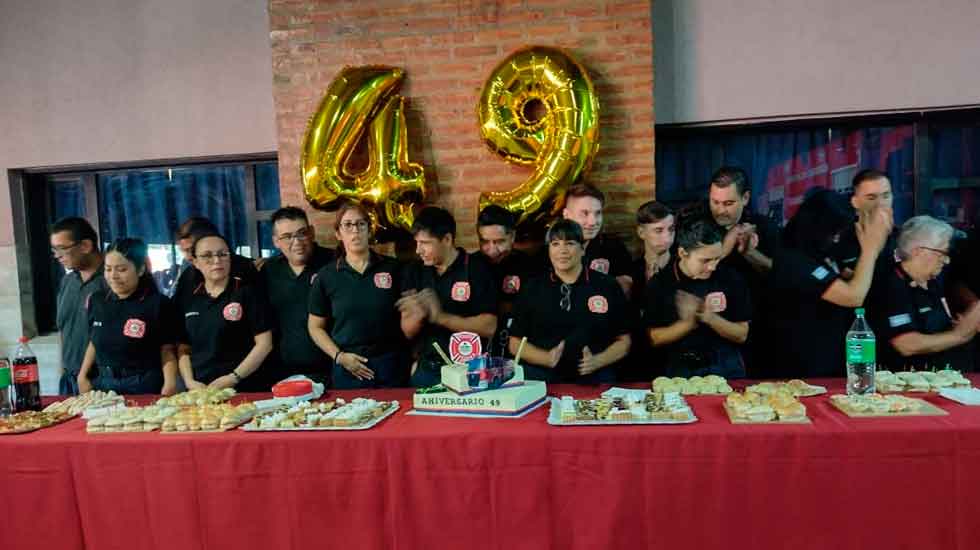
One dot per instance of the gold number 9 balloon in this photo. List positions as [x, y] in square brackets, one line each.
[560, 144]
[363, 99]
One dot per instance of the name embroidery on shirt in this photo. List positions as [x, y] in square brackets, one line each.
[233, 312]
[601, 265]
[313, 279]
[598, 304]
[382, 280]
[716, 302]
[191, 314]
[96, 323]
[134, 328]
[460, 291]
[512, 284]
[899, 320]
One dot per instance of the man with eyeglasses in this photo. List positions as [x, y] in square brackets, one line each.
[75, 245]
[575, 319]
[447, 291]
[288, 278]
[910, 315]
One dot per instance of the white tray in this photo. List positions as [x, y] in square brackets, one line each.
[554, 418]
[368, 426]
[966, 396]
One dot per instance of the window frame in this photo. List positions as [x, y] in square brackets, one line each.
[30, 192]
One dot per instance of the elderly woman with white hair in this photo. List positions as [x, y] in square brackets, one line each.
[908, 310]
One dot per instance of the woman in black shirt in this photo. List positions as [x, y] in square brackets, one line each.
[226, 334]
[131, 328]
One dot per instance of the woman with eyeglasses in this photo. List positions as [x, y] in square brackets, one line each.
[131, 328]
[576, 320]
[908, 308]
[696, 311]
[352, 312]
[226, 335]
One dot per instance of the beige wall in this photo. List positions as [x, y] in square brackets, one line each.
[734, 59]
[121, 80]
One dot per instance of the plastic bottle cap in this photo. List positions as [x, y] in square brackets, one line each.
[859, 311]
[23, 339]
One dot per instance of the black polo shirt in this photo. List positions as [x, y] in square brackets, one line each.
[509, 275]
[606, 254]
[725, 293]
[360, 307]
[289, 295]
[128, 333]
[847, 251]
[769, 242]
[221, 331]
[190, 278]
[808, 330]
[72, 316]
[466, 289]
[598, 315]
[900, 308]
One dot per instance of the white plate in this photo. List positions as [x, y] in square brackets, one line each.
[369, 425]
[554, 418]
[966, 396]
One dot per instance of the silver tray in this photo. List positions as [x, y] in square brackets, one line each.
[391, 410]
[554, 418]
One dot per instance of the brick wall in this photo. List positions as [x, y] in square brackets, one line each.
[448, 48]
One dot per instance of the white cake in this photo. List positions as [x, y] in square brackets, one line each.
[513, 398]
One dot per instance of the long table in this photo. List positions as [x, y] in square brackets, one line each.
[427, 482]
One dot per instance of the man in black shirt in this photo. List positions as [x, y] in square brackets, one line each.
[751, 242]
[698, 310]
[870, 190]
[511, 268]
[816, 301]
[76, 246]
[909, 311]
[603, 253]
[446, 291]
[287, 279]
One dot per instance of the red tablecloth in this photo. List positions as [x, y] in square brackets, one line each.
[425, 482]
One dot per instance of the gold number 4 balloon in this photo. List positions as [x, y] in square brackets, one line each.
[363, 99]
[559, 141]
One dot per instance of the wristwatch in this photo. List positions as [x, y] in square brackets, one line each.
[238, 377]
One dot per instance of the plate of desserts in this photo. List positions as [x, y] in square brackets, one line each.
[199, 396]
[879, 405]
[777, 407]
[919, 381]
[30, 421]
[130, 419]
[208, 418]
[795, 387]
[632, 408]
[95, 400]
[695, 385]
[331, 415]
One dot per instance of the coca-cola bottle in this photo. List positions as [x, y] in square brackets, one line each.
[27, 385]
